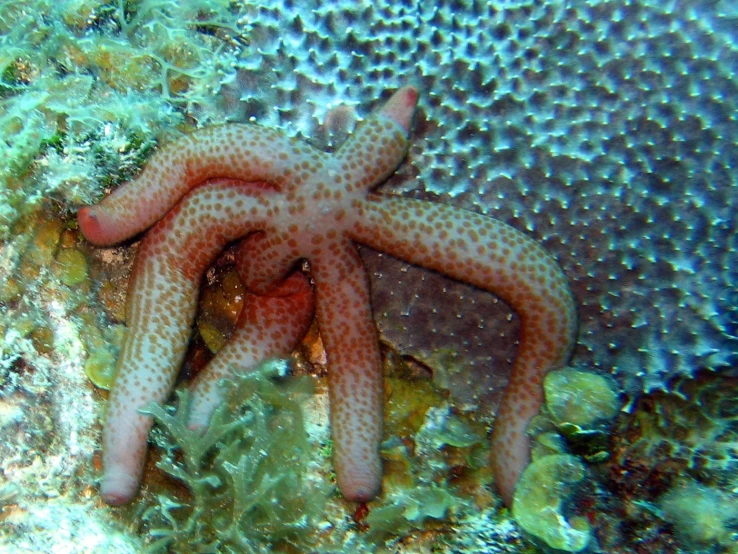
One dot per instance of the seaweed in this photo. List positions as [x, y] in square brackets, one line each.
[247, 477]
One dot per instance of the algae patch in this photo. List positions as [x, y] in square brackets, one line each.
[541, 498]
[247, 476]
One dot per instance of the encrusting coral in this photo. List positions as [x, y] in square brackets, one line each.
[541, 500]
[315, 208]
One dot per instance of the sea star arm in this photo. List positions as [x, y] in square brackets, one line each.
[268, 326]
[343, 309]
[493, 256]
[160, 308]
[243, 152]
[343, 305]
[355, 377]
[374, 150]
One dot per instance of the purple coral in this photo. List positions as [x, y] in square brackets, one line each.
[605, 129]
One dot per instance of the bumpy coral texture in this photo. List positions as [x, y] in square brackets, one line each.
[604, 128]
[316, 208]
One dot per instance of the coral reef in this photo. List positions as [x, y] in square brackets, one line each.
[589, 135]
[604, 128]
[58, 525]
[669, 448]
[691, 431]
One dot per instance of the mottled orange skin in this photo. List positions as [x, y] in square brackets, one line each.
[268, 326]
[318, 207]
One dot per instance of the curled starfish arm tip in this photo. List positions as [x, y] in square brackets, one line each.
[90, 225]
[281, 317]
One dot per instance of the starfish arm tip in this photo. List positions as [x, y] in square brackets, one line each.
[118, 486]
[90, 225]
[358, 489]
[401, 106]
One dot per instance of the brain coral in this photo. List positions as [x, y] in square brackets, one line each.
[606, 129]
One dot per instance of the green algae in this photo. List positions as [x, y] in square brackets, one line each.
[246, 476]
[72, 266]
[702, 516]
[580, 407]
[580, 398]
[541, 498]
[409, 509]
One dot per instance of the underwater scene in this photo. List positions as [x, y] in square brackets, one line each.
[455, 276]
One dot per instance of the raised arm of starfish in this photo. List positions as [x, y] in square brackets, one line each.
[310, 205]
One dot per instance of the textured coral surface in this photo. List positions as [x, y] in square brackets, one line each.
[604, 128]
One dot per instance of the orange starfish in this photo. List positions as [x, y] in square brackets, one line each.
[314, 206]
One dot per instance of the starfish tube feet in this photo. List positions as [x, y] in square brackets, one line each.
[268, 326]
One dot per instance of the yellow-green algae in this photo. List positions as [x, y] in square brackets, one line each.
[248, 485]
[579, 397]
[72, 266]
[580, 407]
[250, 482]
[100, 367]
[702, 516]
[419, 486]
[541, 496]
[219, 307]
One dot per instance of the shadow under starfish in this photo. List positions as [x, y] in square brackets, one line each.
[288, 202]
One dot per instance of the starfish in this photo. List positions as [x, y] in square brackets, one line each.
[287, 202]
